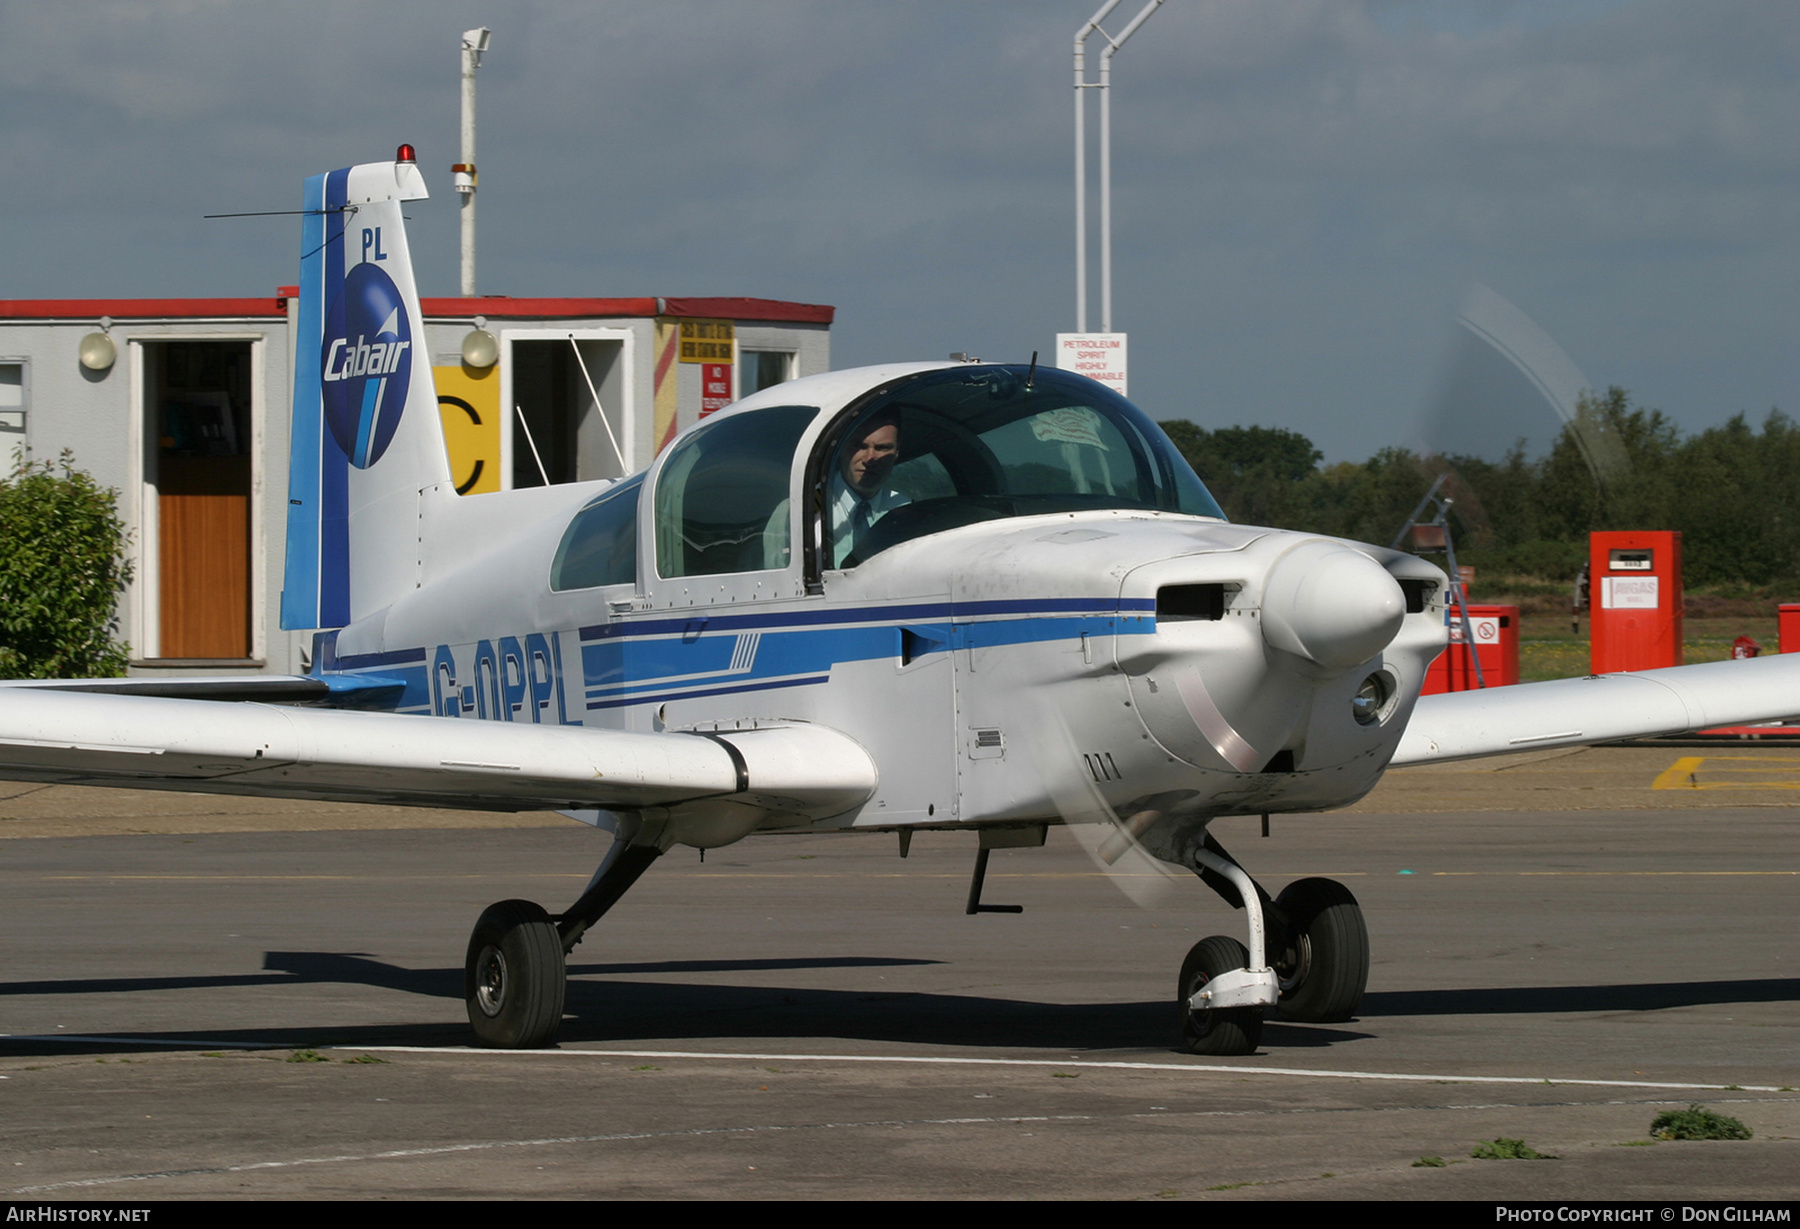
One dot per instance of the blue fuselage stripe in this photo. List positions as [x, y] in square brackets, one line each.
[931, 611]
[698, 657]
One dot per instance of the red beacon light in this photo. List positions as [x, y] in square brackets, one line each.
[405, 154]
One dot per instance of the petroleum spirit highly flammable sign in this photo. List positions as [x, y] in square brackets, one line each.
[1098, 356]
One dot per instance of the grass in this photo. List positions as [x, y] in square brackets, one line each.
[1430, 1162]
[307, 1056]
[1697, 1122]
[1508, 1150]
[1549, 650]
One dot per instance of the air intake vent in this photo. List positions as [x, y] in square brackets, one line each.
[1180, 602]
[1417, 592]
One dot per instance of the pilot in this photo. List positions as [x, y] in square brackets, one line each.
[859, 495]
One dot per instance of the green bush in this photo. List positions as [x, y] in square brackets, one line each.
[1508, 1150]
[62, 569]
[1697, 1122]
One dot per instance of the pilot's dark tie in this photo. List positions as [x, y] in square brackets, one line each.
[859, 526]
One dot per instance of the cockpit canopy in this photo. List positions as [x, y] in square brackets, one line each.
[927, 453]
[985, 443]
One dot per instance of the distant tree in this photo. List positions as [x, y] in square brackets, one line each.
[1730, 491]
[62, 569]
[1256, 473]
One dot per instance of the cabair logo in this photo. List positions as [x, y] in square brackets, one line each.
[366, 364]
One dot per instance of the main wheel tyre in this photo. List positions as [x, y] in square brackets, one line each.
[515, 978]
[1220, 1030]
[1325, 966]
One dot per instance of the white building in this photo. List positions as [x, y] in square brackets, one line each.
[189, 422]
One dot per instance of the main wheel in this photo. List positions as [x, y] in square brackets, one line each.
[1325, 965]
[1220, 1030]
[515, 978]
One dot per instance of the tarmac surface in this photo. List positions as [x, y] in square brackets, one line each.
[219, 998]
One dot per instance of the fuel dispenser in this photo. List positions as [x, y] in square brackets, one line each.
[1789, 615]
[1635, 591]
[1496, 647]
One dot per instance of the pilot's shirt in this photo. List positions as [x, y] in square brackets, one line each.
[852, 514]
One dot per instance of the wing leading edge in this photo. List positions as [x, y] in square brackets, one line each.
[793, 771]
[1600, 708]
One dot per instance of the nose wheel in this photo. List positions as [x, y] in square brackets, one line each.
[1215, 1030]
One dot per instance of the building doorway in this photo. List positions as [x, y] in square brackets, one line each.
[555, 430]
[198, 460]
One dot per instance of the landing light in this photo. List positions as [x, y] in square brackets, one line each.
[1370, 699]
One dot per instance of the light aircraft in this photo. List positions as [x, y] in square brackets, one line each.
[920, 596]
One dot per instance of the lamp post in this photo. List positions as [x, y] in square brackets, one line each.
[474, 42]
[1104, 85]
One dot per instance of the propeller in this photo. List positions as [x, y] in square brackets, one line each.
[1111, 842]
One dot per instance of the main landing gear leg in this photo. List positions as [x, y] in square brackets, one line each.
[516, 976]
[1310, 940]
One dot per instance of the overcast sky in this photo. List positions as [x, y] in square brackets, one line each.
[1303, 191]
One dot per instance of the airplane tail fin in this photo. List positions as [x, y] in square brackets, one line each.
[367, 443]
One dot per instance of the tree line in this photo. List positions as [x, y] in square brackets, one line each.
[1730, 490]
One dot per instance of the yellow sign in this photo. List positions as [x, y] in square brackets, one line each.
[707, 341]
[469, 405]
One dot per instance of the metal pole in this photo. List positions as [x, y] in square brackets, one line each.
[1106, 159]
[474, 42]
[1081, 83]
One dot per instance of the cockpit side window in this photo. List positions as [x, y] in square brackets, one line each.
[722, 497]
[961, 445]
[600, 545]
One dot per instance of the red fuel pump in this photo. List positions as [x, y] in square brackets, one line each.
[1496, 631]
[1635, 607]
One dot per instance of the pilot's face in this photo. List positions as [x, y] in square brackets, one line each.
[871, 459]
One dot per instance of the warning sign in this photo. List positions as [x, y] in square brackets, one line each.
[1098, 356]
[707, 341]
[1485, 627]
[715, 387]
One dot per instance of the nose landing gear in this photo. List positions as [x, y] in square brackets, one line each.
[1313, 964]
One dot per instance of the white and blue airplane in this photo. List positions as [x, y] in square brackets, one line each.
[920, 596]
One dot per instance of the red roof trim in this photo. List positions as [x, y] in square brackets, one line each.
[140, 309]
[751, 309]
[505, 307]
[500, 307]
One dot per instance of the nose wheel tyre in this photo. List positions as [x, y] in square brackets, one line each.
[515, 978]
[1222, 1030]
[1325, 967]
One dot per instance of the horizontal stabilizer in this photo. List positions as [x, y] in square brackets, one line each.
[1600, 708]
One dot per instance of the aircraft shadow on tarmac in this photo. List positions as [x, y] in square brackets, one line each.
[627, 1010]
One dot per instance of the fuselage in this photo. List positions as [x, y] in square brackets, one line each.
[1035, 639]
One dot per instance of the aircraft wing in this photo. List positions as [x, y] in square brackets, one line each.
[1600, 708]
[208, 746]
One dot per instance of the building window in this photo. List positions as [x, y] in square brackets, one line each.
[12, 400]
[760, 369]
